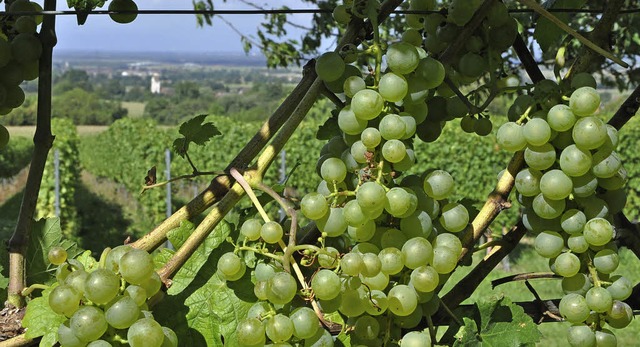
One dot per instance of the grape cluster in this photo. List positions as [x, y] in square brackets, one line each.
[20, 50]
[571, 188]
[108, 305]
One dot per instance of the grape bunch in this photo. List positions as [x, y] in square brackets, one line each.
[20, 50]
[571, 188]
[108, 305]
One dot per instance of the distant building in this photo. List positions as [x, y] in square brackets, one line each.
[155, 84]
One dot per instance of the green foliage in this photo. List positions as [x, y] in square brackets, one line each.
[85, 107]
[15, 156]
[42, 320]
[500, 323]
[628, 150]
[66, 145]
[45, 233]
[548, 34]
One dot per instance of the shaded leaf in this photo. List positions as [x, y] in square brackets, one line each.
[45, 233]
[501, 324]
[196, 131]
[40, 320]
[151, 177]
[546, 33]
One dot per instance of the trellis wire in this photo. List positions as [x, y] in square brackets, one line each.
[279, 11]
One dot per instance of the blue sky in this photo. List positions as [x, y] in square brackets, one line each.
[169, 33]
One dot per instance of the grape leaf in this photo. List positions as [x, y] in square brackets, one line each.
[40, 320]
[4, 282]
[194, 130]
[200, 306]
[501, 323]
[548, 34]
[45, 233]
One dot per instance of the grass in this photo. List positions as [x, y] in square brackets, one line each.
[525, 259]
[134, 109]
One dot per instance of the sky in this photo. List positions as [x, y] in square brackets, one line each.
[167, 33]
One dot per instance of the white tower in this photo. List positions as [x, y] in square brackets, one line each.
[155, 83]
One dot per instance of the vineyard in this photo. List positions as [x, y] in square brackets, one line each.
[401, 192]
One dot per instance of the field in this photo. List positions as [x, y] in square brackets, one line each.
[29, 130]
[134, 109]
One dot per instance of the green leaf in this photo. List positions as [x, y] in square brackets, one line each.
[196, 131]
[45, 233]
[201, 307]
[4, 282]
[501, 324]
[40, 320]
[548, 34]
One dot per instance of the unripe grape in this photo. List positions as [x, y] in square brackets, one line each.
[329, 66]
[584, 101]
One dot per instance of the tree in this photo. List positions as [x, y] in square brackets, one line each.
[380, 243]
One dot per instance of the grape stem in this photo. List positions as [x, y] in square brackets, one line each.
[471, 107]
[432, 329]
[260, 251]
[247, 189]
[594, 273]
[33, 287]
[182, 177]
[488, 244]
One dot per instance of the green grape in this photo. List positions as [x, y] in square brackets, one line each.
[102, 285]
[26, 48]
[367, 104]
[402, 57]
[322, 338]
[333, 169]
[615, 182]
[112, 262]
[606, 338]
[510, 137]
[589, 133]
[377, 303]
[349, 123]
[229, 264]
[122, 313]
[455, 217]
[77, 279]
[472, 65]
[547, 208]
[392, 260]
[279, 328]
[620, 315]
[394, 151]
[123, 5]
[584, 101]
[341, 14]
[170, 338]
[418, 224]
[593, 207]
[482, 126]
[136, 266]
[351, 264]
[567, 265]
[578, 284]
[333, 223]
[271, 232]
[88, 323]
[14, 96]
[330, 66]
[5, 52]
[416, 339]
[562, 140]
[412, 36]
[573, 221]
[621, 288]
[561, 118]
[444, 260]
[460, 12]
[527, 182]
[4, 140]
[392, 127]
[425, 278]
[537, 132]
[152, 284]
[581, 336]
[264, 271]
[371, 196]
[418, 110]
[450, 241]
[583, 79]
[606, 261]
[370, 137]
[575, 161]
[353, 302]
[555, 185]
[352, 85]
[337, 86]
[260, 290]
[366, 327]
[417, 252]
[417, 89]
[540, 157]
[431, 71]
[584, 185]
[313, 205]
[598, 231]
[56, 255]
[577, 243]
[599, 299]
[410, 125]
[574, 308]
[329, 258]
[371, 265]
[65, 300]
[99, 343]
[67, 338]
[393, 87]
[438, 184]
[549, 244]
[354, 215]
[390, 237]
[402, 300]
[281, 288]
[605, 164]
[498, 14]
[137, 293]
[305, 322]
[476, 44]
[398, 201]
